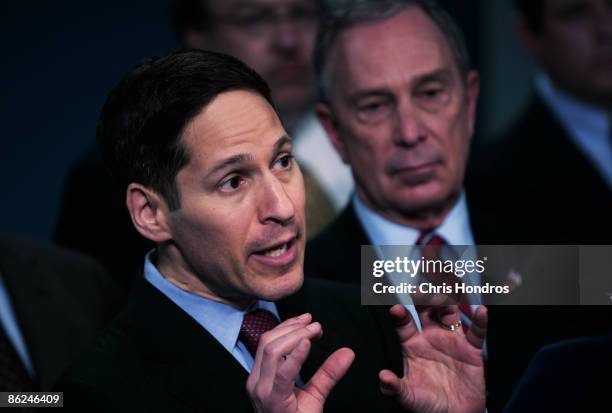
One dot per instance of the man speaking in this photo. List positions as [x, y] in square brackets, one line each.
[221, 320]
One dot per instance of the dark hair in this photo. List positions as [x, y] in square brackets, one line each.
[347, 14]
[532, 11]
[144, 116]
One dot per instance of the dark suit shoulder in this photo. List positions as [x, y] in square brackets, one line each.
[27, 250]
[569, 376]
[335, 253]
[65, 272]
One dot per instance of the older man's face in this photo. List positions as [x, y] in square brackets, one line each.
[274, 37]
[240, 228]
[401, 115]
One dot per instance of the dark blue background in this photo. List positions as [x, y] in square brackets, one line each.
[59, 61]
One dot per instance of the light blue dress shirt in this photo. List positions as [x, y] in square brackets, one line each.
[588, 127]
[8, 319]
[222, 321]
[455, 229]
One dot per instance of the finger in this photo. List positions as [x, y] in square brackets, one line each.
[446, 315]
[390, 384]
[435, 316]
[280, 330]
[289, 369]
[478, 330]
[273, 352]
[330, 373]
[404, 325]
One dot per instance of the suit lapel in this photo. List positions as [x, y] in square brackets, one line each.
[40, 307]
[192, 361]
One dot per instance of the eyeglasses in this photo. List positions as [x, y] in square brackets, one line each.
[264, 20]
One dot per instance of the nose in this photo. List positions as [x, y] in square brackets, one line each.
[287, 37]
[275, 204]
[408, 128]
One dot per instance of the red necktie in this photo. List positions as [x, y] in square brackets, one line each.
[254, 325]
[433, 242]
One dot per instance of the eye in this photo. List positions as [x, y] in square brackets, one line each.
[432, 92]
[374, 110]
[284, 162]
[432, 97]
[232, 184]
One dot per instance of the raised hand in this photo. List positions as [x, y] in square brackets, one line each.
[279, 358]
[443, 369]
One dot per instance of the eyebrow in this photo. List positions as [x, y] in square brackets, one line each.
[245, 157]
[438, 74]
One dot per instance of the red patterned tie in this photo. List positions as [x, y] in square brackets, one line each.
[434, 241]
[254, 325]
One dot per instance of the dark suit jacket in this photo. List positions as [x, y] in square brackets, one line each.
[157, 358]
[515, 332]
[61, 301]
[572, 376]
[538, 176]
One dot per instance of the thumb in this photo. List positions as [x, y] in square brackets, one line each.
[390, 384]
[330, 373]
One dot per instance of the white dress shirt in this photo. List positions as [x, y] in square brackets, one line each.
[313, 149]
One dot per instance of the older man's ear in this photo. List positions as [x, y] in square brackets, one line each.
[331, 126]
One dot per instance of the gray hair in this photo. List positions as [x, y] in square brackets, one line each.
[343, 15]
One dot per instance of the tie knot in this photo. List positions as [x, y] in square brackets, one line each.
[254, 325]
[430, 238]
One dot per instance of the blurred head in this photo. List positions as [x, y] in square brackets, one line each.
[398, 102]
[274, 37]
[209, 175]
[572, 39]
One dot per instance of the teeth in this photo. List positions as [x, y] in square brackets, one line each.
[276, 252]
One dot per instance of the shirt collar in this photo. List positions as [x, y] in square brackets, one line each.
[222, 321]
[577, 116]
[455, 228]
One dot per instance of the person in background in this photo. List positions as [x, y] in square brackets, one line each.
[53, 304]
[398, 101]
[552, 168]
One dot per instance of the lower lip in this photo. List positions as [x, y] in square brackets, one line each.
[285, 260]
[418, 174]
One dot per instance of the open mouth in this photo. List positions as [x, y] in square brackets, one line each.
[280, 256]
[277, 251]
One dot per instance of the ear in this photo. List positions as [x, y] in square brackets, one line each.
[472, 92]
[197, 39]
[149, 213]
[328, 121]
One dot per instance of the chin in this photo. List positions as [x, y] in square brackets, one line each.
[282, 287]
[427, 196]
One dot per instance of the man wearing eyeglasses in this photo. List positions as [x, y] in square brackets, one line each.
[276, 38]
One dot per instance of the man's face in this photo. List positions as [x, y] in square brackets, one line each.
[401, 116]
[274, 37]
[240, 228]
[575, 46]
